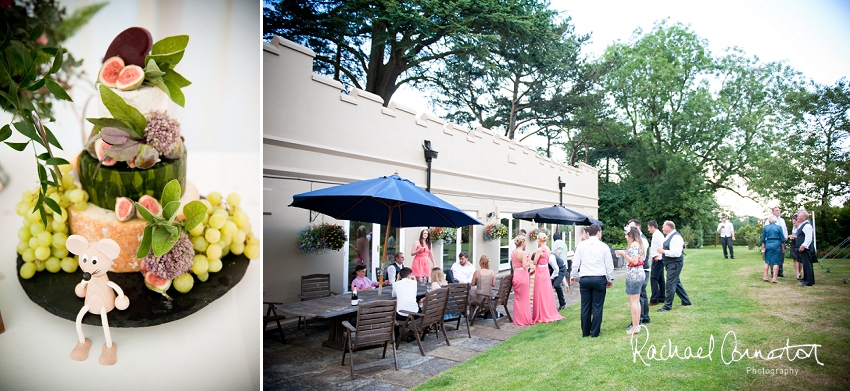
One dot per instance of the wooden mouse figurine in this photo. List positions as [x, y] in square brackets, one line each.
[95, 259]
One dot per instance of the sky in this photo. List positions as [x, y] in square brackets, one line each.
[811, 36]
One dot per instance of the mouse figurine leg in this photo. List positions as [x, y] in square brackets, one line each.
[109, 354]
[81, 351]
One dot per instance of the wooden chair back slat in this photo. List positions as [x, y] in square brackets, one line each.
[315, 285]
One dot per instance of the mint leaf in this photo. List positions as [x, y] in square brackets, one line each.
[194, 212]
[145, 246]
[162, 241]
[166, 58]
[122, 111]
[169, 210]
[171, 192]
[146, 214]
[158, 82]
[176, 78]
[176, 94]
[152, 71]
[170, 44]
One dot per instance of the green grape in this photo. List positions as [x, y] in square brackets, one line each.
[229, 229]
[200, 264]
[36, 229]
[68, 182]
[21, 209]
[214, 198]
[55, 197]
[252, 251]
[33, 242]
[33, 216]
[251, 239]
[28, 255]
[239, 237]
[65, 202]
[199, 244]
[213, 251]
[215, 266]
[53, 264]
[221, 211]
[59, 226]
[79, 206]
[24, 234]
[60, 252]
[237, 248]
[208, 204]
[217, 221]
[198, 230]
[69, 265]
[42, 253]
[59, 240]
[60, 217]
[22, 246]
[241, 219]
[77, 195]
[28, 196]
[212, 235]
[225, 248]
[184, 283]
[45, 238]
[39, 265]
[225, 241]
[233, 200]
[26, 223]
[65, 168]
[28, 270]
[203, 277]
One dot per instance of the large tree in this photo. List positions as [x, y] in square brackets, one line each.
[379, 45]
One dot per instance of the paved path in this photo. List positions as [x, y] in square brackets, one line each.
[303, 364]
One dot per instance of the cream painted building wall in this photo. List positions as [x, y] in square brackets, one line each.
[315, 136]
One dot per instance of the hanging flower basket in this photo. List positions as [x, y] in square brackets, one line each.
[534, 232]
[322, 237]
[442, 235]
[495, 231]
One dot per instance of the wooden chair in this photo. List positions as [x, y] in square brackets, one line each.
[458, 305]
[314, 286]
[375, 321]
[272, 316]
[490, 302]
[433, 310]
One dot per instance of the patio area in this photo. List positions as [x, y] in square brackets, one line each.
[303, 364]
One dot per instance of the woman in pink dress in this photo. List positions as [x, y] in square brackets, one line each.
[522, 307]
[544, 309]
[423, 259]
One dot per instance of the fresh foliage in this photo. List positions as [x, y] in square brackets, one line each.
[751, 235]
[445, 235]
[161, 233]
[322, 237]
[159, 67]
[495, 231]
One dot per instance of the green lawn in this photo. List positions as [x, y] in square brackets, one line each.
[728, 296]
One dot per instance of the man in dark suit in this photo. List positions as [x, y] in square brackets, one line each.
[557, 271]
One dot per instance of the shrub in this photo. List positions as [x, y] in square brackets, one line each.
[751, 235]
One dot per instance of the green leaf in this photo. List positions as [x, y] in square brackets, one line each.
[153, 71]
[42, 174]
[145, 245]
[57, 161]
[11, 98]
[170, 209]
[43, 215]
[146, 214]
[5, 132]
[170, 44]
[18, 146]
[122, 111]
[52, 205]
[51, 138]
[43, 156]
[171, 193]
[176, 78]
[194, 212]
[102, 123]
[124, 152]
[158, 82]
[28, 130]
[174, 231]
[176, 93]
[34, 86]
[57, 90]
[57, 62]
[162, 241]
[166, 58]
[36, 31]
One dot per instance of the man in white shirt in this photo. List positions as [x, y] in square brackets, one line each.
[803, 240]
[727, 236]
[594, 269]
[394, 268]
[656, 275]
[462, 270]
[404, 290]
[673, 256]
[781, 223]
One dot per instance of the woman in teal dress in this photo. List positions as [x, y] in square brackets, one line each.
[771, 243]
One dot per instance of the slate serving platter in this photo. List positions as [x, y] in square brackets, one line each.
[55, 293]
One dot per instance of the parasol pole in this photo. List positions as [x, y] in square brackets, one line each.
[384, 252]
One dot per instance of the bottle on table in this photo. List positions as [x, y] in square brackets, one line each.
[354, 299]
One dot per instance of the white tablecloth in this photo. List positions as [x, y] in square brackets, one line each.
[217, 348]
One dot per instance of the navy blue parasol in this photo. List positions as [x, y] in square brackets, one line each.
[556, 214]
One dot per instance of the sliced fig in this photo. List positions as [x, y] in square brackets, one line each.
[100, 147]
[125, 208]
[132, 45]
[130, 78]
[151, 204]
[157, 284]
[109, 71]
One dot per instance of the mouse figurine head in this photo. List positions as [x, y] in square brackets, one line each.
[96, 257]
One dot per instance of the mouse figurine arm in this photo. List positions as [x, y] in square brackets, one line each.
[80, 289]
[122, 301]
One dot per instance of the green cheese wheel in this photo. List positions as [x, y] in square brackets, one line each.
[105, 184]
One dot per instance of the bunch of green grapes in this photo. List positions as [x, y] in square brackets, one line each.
[43, 247]
[224, 230]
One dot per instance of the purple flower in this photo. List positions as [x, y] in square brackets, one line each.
[175, 262]
[163, 133]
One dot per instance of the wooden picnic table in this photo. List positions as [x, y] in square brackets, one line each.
[338, 308]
